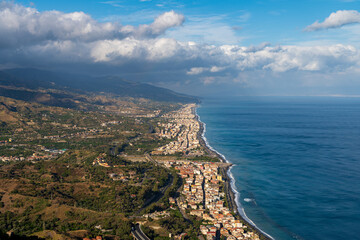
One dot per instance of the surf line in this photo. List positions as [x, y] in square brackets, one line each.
[240, 208]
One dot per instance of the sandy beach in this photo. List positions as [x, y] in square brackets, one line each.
[230, 190]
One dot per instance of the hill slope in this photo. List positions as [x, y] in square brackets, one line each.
[38, 79]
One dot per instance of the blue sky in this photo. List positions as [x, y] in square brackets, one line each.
[265, 47]
[251, 22]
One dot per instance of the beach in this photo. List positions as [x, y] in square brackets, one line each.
[232, 195]
[294, 160]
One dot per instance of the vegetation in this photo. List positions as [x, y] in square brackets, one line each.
[73, 163]
[78, 188]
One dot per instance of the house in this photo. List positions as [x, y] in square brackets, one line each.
[238, 224]
[211, 236]
[203, 229]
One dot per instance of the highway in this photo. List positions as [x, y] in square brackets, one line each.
[162, 191]
[149, 158]
[138, 233]
[158, 196]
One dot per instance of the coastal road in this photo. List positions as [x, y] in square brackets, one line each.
[138, 233]
[228, 191]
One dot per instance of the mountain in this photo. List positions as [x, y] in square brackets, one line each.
[34, 79]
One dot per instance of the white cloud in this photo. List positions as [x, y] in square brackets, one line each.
[162, 23]
[215, 69]
[285, 58]
[57, 38]
[113, 51]
[200, 59]
[196, 71]
[21, 25]
[336, 20]
[199, 70]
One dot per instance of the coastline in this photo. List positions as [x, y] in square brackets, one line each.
[232, 195]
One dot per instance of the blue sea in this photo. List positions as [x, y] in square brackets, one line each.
[297, 162]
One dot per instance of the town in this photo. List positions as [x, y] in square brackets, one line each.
[135, 158]
[203, 191]
[203, 196]
[183, 127]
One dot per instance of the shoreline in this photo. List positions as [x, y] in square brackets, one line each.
[232, 195]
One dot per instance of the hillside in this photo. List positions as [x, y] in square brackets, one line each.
[72, 173]
[73, 157]
[34, 79]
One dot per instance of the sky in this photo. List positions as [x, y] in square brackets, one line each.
[264, 47]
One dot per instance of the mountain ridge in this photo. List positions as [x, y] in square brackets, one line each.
[35, 79]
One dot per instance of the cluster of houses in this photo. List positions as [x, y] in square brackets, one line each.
[121, 176]
[157, 215]
[155, 113]
[184, 127]
[169, 130]
[5, 141]
[100, 160]
[86, 133]
[104, 124]
[204, 198]
[12, 158]
[118, 177]
[49, 154]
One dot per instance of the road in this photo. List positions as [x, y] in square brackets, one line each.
[228, 191]
[150, 159]
[183, 213]
[158, 196]
[162, 191]
[138, 233]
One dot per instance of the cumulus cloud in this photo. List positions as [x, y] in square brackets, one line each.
[161, 24]
[21, 25]
[195, 70]
[336, 20]
[197, 59]
[130, 48]
[199, 70]
[277, 59]
[285, 58]
[215, 69]
[52, 38]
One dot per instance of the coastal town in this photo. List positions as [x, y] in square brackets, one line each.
[203, 196]
[173, 149]
[183, 127]
[202, 193]
[180, 120]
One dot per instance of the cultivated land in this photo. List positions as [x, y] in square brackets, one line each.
[100, 167]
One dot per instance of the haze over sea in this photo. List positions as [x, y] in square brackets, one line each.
[297, 161]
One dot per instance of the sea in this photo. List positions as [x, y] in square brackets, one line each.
[296, 162]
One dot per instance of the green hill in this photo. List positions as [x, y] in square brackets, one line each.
[35, 79]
